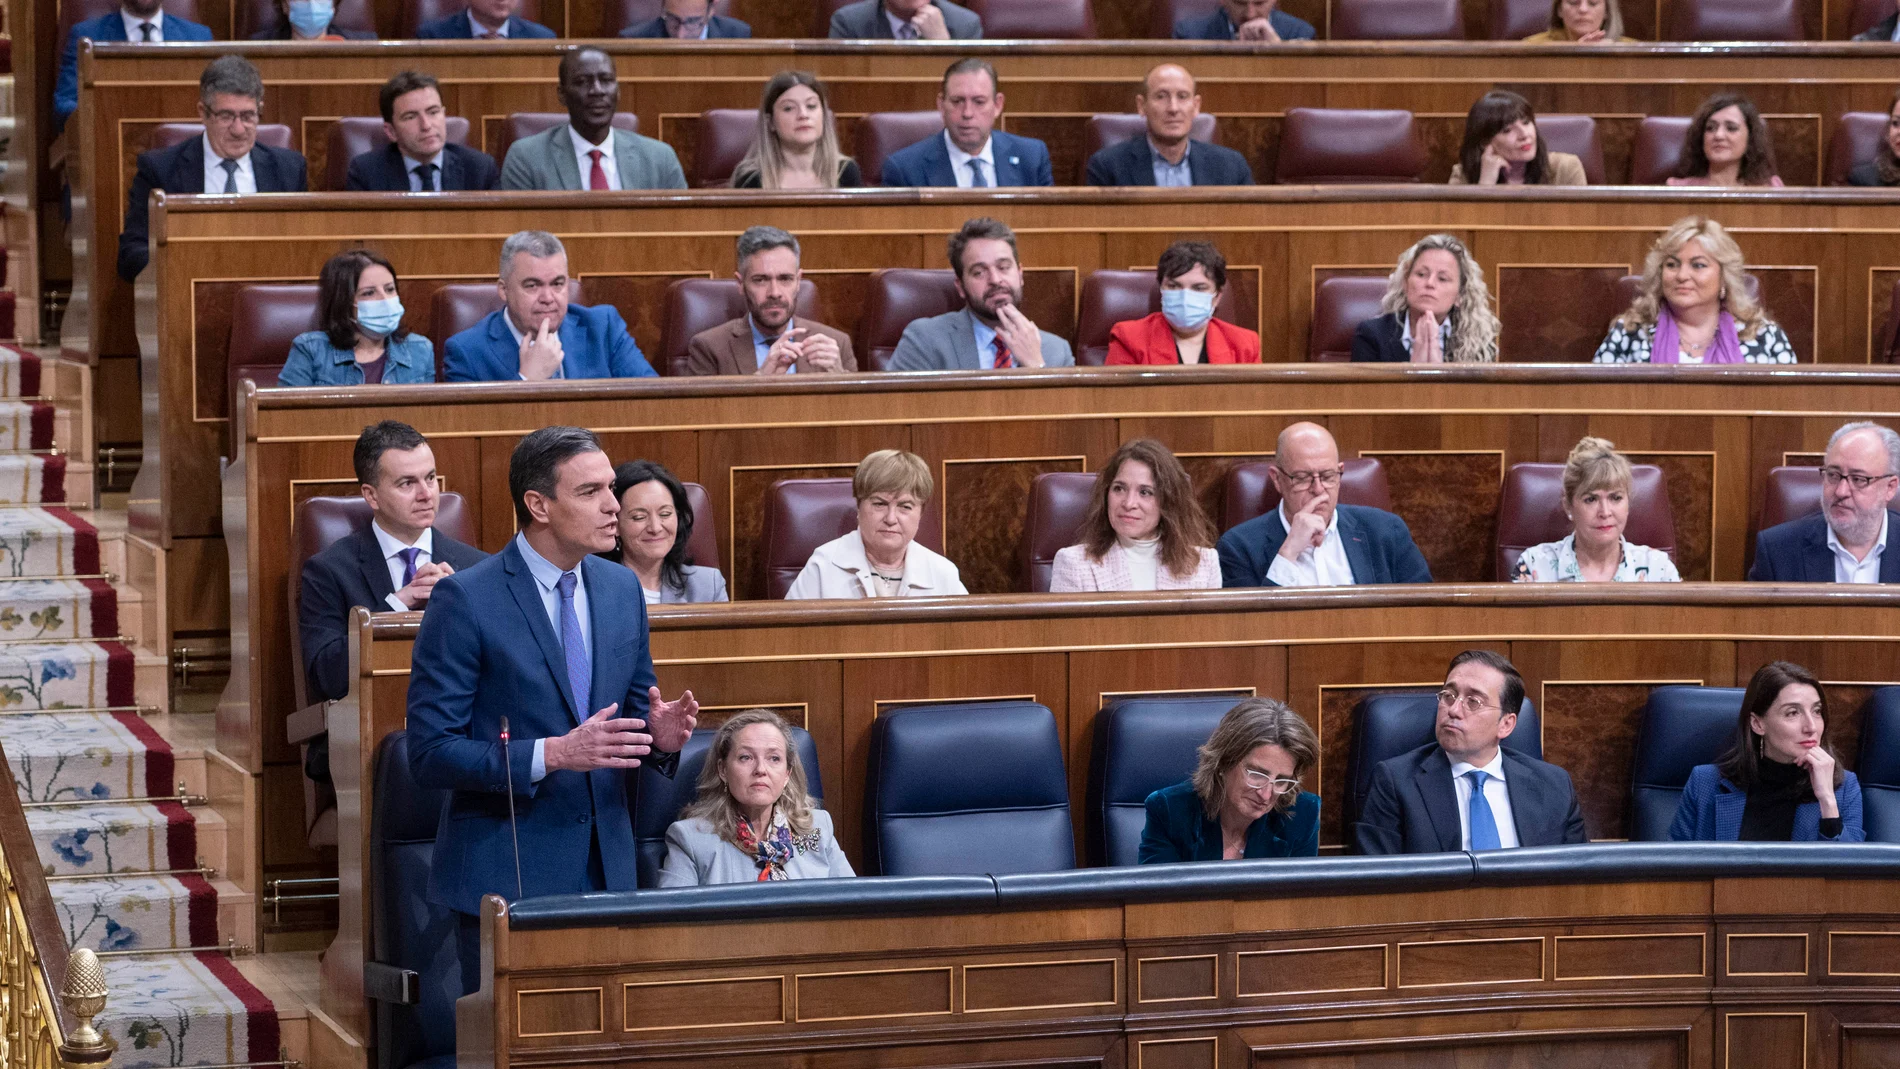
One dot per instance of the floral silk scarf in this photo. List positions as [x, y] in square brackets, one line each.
[771, 853]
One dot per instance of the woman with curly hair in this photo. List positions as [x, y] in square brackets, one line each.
[1436, 310]
[1694, 306]
[1727, 145]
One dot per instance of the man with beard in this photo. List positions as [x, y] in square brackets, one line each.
[989, 331]
[1846, 542]
[766, 340]
[137, 21]
[586, 152]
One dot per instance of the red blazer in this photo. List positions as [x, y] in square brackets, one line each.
[1151, 341]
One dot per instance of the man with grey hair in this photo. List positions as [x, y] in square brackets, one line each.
[1845, 542]
[536, 334]
[226, 158]
[769, 339]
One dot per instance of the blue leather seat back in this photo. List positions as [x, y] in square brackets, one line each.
[657, 800]
[1878, 766]
[1680, 728]
[966, 789]
[1396, 722]
[1141, 746]
[409, 931]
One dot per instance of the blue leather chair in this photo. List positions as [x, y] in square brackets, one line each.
[1387, 725]
[1878, 766]
[966, 789]
[1680, 728]
[414, 976]
[1141, 746]
[657, 800]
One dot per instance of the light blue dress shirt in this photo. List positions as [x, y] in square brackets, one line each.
[985, 343]
[415, 181]
[547, 579]
[762, 345]
[1172, 175]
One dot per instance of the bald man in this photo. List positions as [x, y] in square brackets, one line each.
[1311, 539]
[1167, 155]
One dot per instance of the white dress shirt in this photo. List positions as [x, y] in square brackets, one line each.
[960, 161]
[1849, 570]
[215, 172]
[133, 22]
[1494, 793]
[547, 580]
[478, 31]
[584, 159]
[1323, 566]
[392, 556]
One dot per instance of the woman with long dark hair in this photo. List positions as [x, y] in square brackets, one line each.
[361, 338]
[1503, 147]
[655, 527]
[1727, 145]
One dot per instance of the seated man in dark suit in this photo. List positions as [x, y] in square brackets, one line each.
[419, 157]
[484, 20]
[1245, 20]
[1465, 792]
[1167, 156]
[1330, 544]
[688, 20]
[227, 158]
[1845, 542]
[971, 152]
[536, 335]
[138, 21]
[906, 20]
[766, 340]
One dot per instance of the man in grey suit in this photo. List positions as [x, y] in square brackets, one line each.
[586, 152]
[906, 20]
[989, 331]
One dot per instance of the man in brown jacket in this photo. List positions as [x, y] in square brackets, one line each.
[768, 340]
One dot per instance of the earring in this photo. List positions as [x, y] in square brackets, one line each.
[1723, 295]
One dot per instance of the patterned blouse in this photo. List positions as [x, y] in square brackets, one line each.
[1768, 346]
[1556, 562]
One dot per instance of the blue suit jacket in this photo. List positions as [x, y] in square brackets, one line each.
[1020, 161]
[181, 169]
[1711, 811]
[1132, 163]
[595, 341]
[1378, 546]
[1179, 829]
[486, 650]
[107, 27]
[721, 26]
[457, 27]
[383, 169]
[1217, 27]
[1796, 552]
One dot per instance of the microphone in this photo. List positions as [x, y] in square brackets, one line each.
[513, 831]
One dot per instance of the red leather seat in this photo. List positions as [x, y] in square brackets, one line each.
[725, 136]
[899, 296]
[1398, 20]
[529, 123]
[821, 18]
[1104, 130]
[1735, 20]
[1789, 494]
[1163, 14]
[417, 12]
[265, 319]
[1340, 304]
[1857, 139]
[353, 135]
[884, 132]
[1866, 14]
[703, 546]
[803, 514]
[458, 306]
[1657, 149]
[1250, 492]
[1036, 20]
[250, 16]
[1058, 502]
[1111, 297]
[1577, 135]
[1531, 511]
[1334, 146]
[1514, 20]
[1887, 342]
[167, 134]
[72, 12]
[621, 14]
[696, 304]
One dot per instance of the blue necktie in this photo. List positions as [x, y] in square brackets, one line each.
[1484, 826]
[408, 564]
[580, 674]
[230, 175]
[977, 181]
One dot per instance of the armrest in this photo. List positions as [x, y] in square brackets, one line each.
[307, 723]
[386, 983]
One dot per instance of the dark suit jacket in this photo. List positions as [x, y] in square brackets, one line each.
[1380, 340]
[181, 169]
[1217, 27]
[486, 650]
[1412, 807]
[864, 20]
[1378, 546]
[107, 27]
[1879, 31]
[1796, 552]
[727, 349]
[458, 27]
[1712, 807]
[594, 340]
[1179, 829]
[281, 32]
[383, 169]
[1020, 161]
[721, 26]
[1132, 163]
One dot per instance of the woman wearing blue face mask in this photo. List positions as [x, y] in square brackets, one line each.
[1192, 275]
[309, 20]
[361, 339]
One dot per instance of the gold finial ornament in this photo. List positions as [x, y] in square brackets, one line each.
[84, 997]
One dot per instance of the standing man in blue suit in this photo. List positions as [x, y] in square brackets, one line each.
[970, 153]
[555, 638]
[536, 335]
[1245, 20]
[138, 21]
[483, 20]
[1845, 542]
[1329, 544]
[1168, 155]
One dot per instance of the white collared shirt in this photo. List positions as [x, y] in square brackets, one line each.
[132, 23]
[410, 165]
[1494, 793]
[1325, 565]
[1849, 570]
[960, 161]
[478, 31]
[583, 158]
[392, 556]
[215, 172]
[559, 372]
[547, 580]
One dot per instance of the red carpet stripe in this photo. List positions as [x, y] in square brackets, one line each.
[159, 765]
[181, 836]
[261, 1015]
[201, 911]
[53, 479]
[42, 427]
[119, 684]
[85, 541]
[29, 363]
[105, 608]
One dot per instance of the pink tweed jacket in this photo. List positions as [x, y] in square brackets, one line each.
[1074, 571]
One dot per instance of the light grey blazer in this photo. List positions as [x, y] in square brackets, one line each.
[948, 343]
[865, 20]
[697, 857]
[546, 161]
[702, 584]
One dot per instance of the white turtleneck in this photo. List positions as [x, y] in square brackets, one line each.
[1143, 558]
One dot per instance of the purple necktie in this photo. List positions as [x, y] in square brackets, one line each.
[408, 565]
[580, 675]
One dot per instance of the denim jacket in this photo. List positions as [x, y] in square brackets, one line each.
[315, 362]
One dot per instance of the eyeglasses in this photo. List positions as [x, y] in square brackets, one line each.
[1302, 480]
[1467, 704]
[1260, 781]
[1834, 477]
[234, 118]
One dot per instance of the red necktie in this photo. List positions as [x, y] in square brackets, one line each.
[1003, 357]
[597, 180]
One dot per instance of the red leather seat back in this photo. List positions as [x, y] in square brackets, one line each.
[1250, 492]
[1514, 20]
[353, 135]
[72, 12]
[417, 12]
[703, 545]
[1857, 139]
[1790, 494]
[1058, 502]
[458, 306]
[1036, 20]
[167, 134]
[899, 296]
[725, 135]
[250, 16]
[1658, 149]
[1340, 304]
[621, 14]
[1163, 14]
[265, 319]
[529, 123]
[1735, 20]
[1111, 297]
[1398, 20]
[1333, 146]
[1531, 512]
[696, 304]
[884, 132]
[1887, 342]
[821, 22]
[1866, 14]
[803, 514]
[1577, 135]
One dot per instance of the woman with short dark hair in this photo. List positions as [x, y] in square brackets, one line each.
[1192, 274]
[361, 338]
[1244, 798]
[1727, 145]
[653, 532]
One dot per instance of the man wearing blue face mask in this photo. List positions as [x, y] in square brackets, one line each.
[310, 20]
[361, 339]
[1192, 275]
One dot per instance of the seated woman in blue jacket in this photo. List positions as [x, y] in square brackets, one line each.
[361, 339]
[1244, 798]
[1779, 781]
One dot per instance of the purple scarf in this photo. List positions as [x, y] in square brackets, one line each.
[1666, 346]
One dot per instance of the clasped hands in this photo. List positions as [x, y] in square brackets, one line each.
[605, 740]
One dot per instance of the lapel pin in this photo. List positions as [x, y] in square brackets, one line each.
[1014, 160]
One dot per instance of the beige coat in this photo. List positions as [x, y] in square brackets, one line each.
[1565, 170]
[839, 569]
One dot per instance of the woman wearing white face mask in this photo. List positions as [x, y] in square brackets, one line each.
[361, 339]
[1192, 275]
[309, 20]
